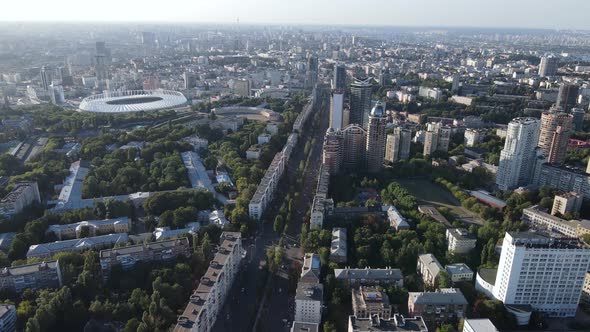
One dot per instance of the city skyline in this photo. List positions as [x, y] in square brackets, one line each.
[398, 13]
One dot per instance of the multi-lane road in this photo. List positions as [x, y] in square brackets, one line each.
[246, 300]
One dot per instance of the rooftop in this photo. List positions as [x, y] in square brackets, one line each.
[396, 323]
[431, 263]
[368, 273]
[128, 250]
[441, 296]
[458, 268]
[28, 269]
[309, 291]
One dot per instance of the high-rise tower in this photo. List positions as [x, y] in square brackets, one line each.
[376, 138]
[548, 66]
[398, 145]
[517, 159]
[339, 77]
[360, 102]
[337, 109]
[556, 129]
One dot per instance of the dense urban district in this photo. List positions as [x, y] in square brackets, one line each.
[264, 178]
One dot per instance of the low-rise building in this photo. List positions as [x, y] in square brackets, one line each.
[204, 305]
[310, 271]
[369, 301]
[540, 220]
[370, 277]
[459, 272]
[478, 325]
[305, 327]
[90, 228]
[338, 249]
[459, 241]
[128, 256]
[379, 324]
[45, 250]
[33, 276]
[253, 152]
[22, 195]
[569, 202]
[7, 318]
[429, 269]
[309, 298]
[6, 241]
[396, 220]
[444, 305]
[473, 136]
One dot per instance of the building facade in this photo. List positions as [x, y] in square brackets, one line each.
[429, 269]
[33, 276]
[309, 298]
[370, 277]
[22, 195]
[205, 303]
[546, 273]
[128, 256]
[337, 109]
[90, 228]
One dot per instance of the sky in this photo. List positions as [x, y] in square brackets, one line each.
[552, 14]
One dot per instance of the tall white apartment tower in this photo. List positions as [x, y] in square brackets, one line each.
[337, 110]
[518, 156]
[544, 272]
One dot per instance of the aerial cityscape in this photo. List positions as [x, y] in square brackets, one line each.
[189, 175]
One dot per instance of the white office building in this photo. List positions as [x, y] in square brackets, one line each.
[544, 272]
[478, 325]
[518, 156]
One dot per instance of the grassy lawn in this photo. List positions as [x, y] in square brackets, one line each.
[429, 193]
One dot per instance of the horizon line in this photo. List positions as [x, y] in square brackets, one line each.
[305, 24]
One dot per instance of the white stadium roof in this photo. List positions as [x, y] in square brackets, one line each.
[132, 101]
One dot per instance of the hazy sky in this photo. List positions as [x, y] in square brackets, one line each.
[561, 14]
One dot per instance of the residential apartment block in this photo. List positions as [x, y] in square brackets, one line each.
[207, 300]
[370, 277]
[338, 250]
[540, 220]
[444, 305]
[33, 276]
[429, 268]
[309, 298]
[369, 301]
[128, 256]
[22, 195]
[459, 241]
[310, 271]
[394, 324]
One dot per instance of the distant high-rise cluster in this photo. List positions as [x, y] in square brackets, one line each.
[353, 147]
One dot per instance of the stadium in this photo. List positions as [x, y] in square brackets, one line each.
[132, 101]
